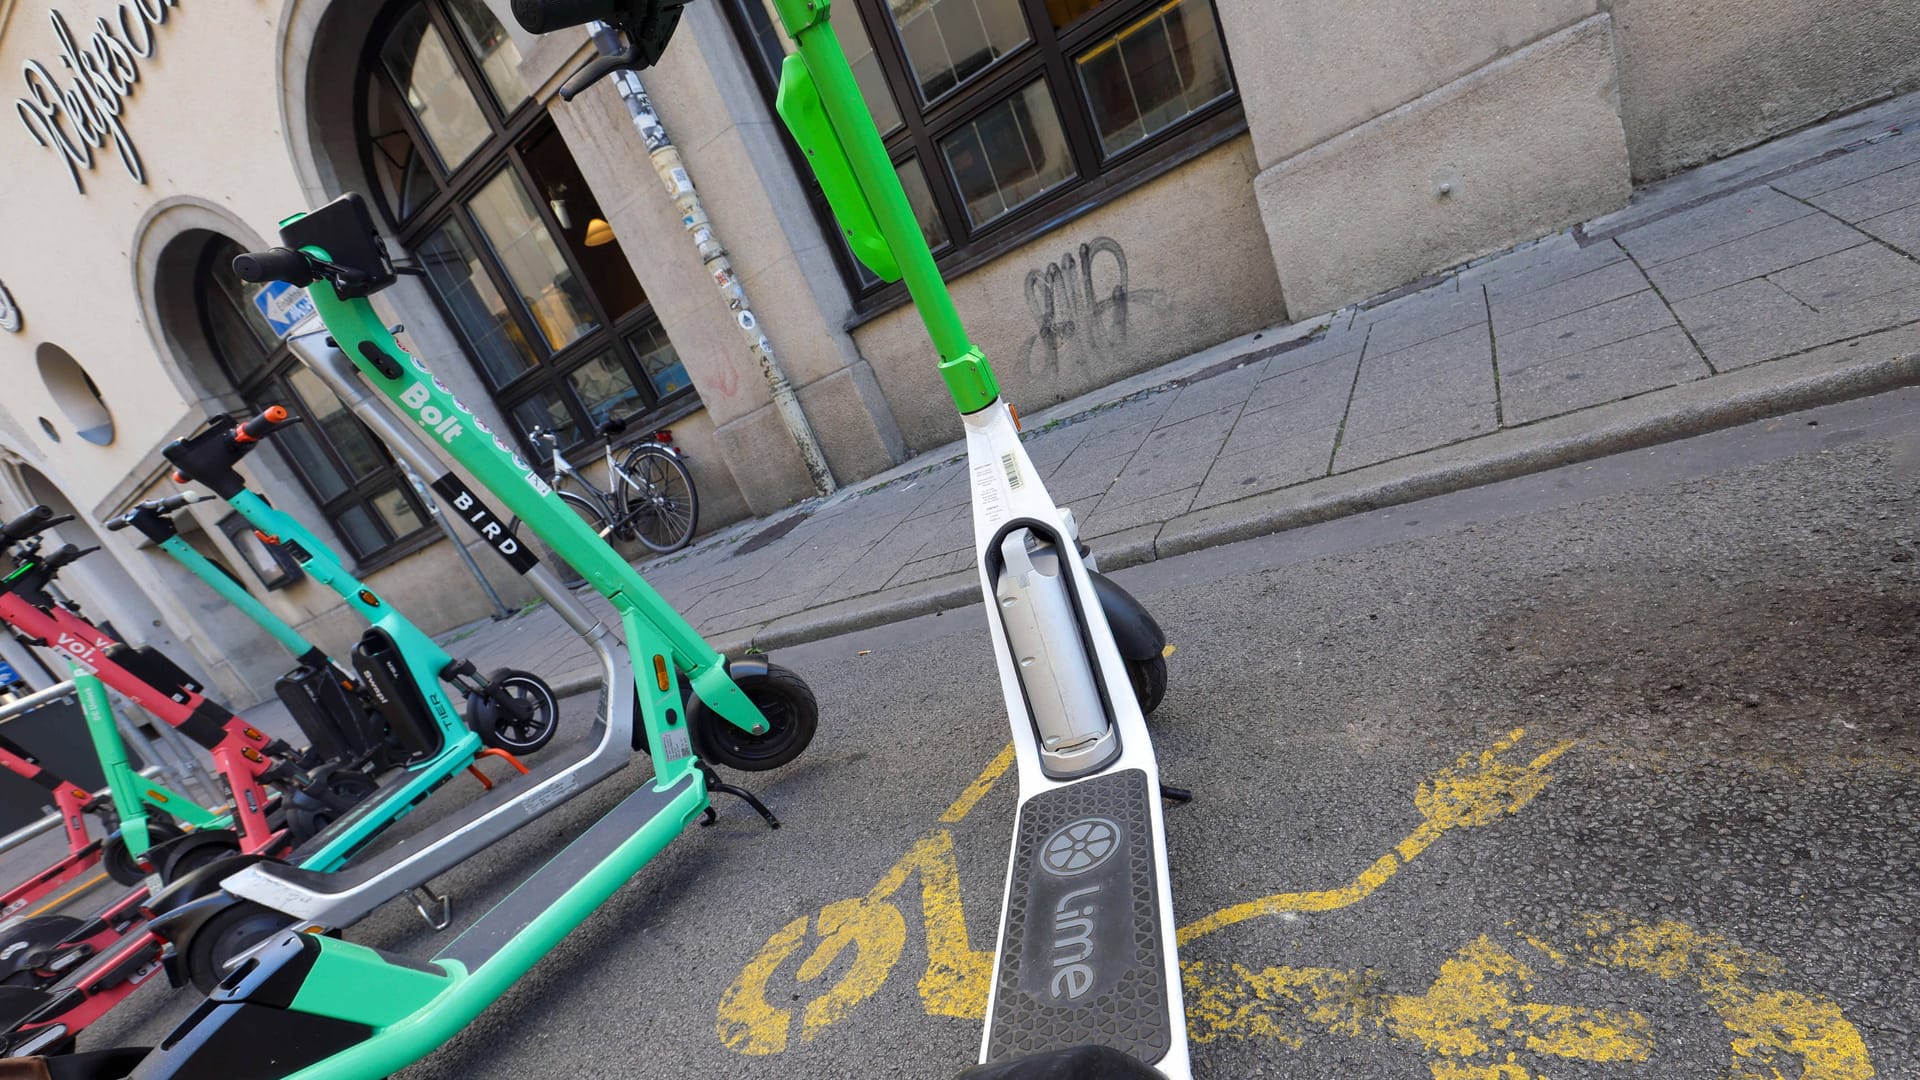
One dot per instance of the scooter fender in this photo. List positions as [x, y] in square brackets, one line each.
[1134, 631]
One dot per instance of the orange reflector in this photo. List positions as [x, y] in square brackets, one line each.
[156, 796]
[251, 754]
[660, 671]
[254, 734]
[1015, 410]
[367, 598]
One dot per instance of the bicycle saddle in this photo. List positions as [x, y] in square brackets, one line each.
[612, 428]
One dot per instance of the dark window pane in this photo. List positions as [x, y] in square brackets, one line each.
[396, 509]
[544, 410]
[301, 447]
[950, 41]
[1064, 13]
[362, 535]
[660, 361]
[489, 45]
[914, 179]
[235, 343]
[1155, 73]
[604, 387]
[493, 336]
[532, 262]
[341, 429]
[575, 209]
[1009, 155]
[417, 58]
[399, 166]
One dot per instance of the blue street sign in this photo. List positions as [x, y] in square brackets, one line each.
[285, 306]
[8, 676]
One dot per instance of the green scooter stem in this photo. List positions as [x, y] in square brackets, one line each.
[131, 793]
[232, 593]
[820, 75]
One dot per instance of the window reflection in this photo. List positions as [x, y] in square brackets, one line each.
[527, 253]
[605, 388]
[417, 58]
[950, 41]
[492, 335]
[488, 43]
[660, 361]
[1154, 73]
[1009, 155]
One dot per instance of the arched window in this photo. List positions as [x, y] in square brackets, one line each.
[481, 189]
[349, 474]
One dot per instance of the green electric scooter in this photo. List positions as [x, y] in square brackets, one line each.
[1086, 981]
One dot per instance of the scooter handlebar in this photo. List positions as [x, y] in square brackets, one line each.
[271, 419]
[36, 520]
[66, 556]
[157, 507]
[546, 16]
[274, 264]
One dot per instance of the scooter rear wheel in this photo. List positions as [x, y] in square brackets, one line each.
[225, 936]
[1149, 678]
[120, 864]
[783, 698]
[195, 852]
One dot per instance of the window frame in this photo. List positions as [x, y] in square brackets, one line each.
[269, 383]
[1047, 54]
[512, 131]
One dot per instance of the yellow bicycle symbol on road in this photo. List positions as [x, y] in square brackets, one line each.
[1476, 1022]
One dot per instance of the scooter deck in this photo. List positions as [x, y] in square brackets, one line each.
[1082, 960]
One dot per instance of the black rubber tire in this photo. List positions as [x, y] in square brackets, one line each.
[1149, 678]
[672, 520]
[187, 856]
[119, 863]
[234, 930]
[792, 715]
[523, 737]
[306, 818]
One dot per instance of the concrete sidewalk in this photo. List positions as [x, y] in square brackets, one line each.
[1780, 279]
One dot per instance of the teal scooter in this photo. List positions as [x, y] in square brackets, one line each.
[342, 1010]
[348, 744]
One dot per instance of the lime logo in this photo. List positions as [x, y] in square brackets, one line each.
[1077, 848]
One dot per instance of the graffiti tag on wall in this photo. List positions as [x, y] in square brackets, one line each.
[1080, 306]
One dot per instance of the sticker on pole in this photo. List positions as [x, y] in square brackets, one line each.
[284, 306]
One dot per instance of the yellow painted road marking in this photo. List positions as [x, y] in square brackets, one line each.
[53, 904]
[1477, 790]
[1474, 1022]
[977, 790]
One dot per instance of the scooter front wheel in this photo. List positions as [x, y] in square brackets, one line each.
[517, 712]
[1149, 679]
[783, 698]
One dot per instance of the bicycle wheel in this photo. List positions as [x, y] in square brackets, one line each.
[657, 500]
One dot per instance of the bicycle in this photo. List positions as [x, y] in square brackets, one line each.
[651, 497]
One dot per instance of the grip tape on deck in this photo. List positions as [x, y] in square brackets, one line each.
[1083, 960]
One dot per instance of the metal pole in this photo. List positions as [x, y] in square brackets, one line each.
[693, 214]
[500, 609]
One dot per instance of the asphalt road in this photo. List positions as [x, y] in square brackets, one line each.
[1610, 772]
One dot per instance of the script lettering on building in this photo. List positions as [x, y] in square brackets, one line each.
[79, 105]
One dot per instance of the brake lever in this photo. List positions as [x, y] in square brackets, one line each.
[598, 68]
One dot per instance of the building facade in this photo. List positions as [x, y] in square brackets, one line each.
[1108, 184]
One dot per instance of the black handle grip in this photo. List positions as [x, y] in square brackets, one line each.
[276, 264]
[157, 507]
[546, 16]
[596, 69]
[65, 555]
[36, 520]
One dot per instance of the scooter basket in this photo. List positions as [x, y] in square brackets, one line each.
[394, 694]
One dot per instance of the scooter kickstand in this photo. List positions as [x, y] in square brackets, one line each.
[714, 783]
[436, 909]
[1175, 794]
